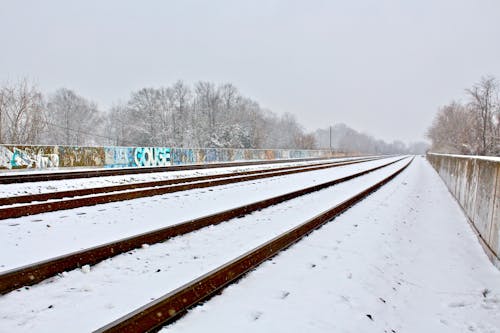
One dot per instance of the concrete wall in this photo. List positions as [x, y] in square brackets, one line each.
[41, 157]
[475, 183]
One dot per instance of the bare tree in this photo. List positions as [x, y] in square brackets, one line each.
[208, 116]
[72, 120]
[484, 102]
[207, 103]
[117, 127]
[21, 113]
[454, 130]
[182, 122]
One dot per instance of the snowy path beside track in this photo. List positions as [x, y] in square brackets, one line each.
[79, 301]
[33, 238]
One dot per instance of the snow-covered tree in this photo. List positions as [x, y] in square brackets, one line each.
[72, 120]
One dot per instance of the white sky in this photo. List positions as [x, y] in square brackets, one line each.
[380, 66]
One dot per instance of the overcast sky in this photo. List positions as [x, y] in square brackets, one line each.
[380, 66]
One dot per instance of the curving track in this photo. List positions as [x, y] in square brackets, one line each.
[205, 285]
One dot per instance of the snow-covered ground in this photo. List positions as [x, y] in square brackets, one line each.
[9, 190]
[402, 260]
[33, 238]
[479, 157]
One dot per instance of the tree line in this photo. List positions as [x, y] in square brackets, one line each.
[471, 127]
[204, 114]
[341, 137]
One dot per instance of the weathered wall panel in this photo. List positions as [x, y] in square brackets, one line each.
[213, 155]
[19, 157]
[475, 183]
[16, 157]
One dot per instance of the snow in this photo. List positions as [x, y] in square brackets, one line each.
[116, 286]
[405, 257]
[51, 234]
[486, 158]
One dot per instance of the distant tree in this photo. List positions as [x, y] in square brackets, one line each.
[472, 128]
[72, 119]
[207, 106]
[453, 130]
[182, 119]
[117, 126]
[419, 147]
[306, 141]
[485, 104]
[21, 113]
[146, 116]
[208, 115]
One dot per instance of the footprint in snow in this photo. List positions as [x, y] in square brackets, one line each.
[256, 315]
[285, 294]
[459, 304]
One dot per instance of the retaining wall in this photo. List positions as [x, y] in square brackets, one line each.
[41, 157]
[475, 183]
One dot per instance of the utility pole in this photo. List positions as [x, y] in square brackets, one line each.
[330, 138]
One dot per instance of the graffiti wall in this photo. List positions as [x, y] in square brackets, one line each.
[41, 157]
[122, 157]
[213, 155]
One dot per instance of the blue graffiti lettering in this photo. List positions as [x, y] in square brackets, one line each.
[152, 156]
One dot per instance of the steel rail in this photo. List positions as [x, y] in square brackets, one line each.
[37, 272]
[19, 199]
[174, 304]
[50, 206]
[40, 177]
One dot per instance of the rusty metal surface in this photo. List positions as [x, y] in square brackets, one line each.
[172, 305]
[177, 185]
[40, 177]
[37, 272]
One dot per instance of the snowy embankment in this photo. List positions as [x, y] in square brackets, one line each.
[402, 260]
[9, 190]
[33, 238]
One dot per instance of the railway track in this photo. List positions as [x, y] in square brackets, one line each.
[24, 205]
[172, 305]
[64, 175]
[37, 272]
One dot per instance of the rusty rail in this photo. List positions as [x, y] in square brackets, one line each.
[19, 199]
[40, 177]
[171, 306]
[123, 194]
[37, 272]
